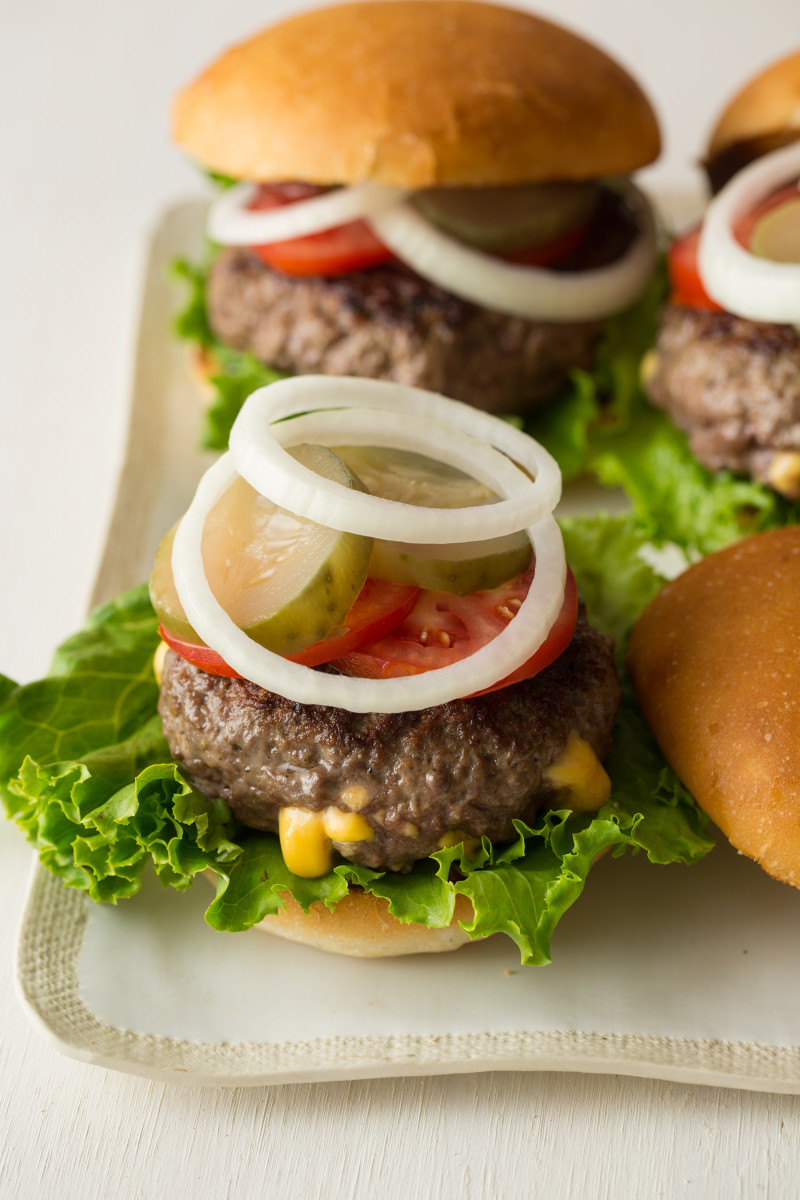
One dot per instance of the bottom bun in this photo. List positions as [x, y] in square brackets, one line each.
[362, 926]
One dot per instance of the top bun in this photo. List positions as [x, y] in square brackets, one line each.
[715, 661]
[414, 93]
[763, 116]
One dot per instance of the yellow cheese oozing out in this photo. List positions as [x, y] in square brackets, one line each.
[578, 772]
[306, 837]
[158, 661]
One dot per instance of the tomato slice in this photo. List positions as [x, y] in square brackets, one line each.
[687, 286]
[443, 628]
[351, 247]
[377, 609]
[684, 273]
[199, 656]
[550, 252]
[354, 246]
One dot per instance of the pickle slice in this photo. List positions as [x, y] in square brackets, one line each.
[286, 581]
[508, 218]
[777, 234]
[416, 479]
[461, 569]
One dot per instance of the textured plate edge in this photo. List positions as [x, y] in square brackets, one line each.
[48, 988]
[745, 1065]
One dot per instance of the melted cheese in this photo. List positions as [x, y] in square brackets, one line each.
[354, 797]
[306, 837]
[579, 772]
[158, 661]
[455, 837]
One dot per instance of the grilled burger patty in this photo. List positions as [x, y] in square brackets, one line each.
[732, 385]
[389, 323]
[470, 766]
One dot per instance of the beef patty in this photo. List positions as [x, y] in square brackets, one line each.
[470, 766]
[733, 386]
[389, 323]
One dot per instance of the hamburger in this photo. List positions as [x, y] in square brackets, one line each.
[433, 192]
[715, 661]
[726, 366]
[381, 731]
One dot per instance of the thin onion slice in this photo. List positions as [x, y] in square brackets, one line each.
[504, 654]
[750, 287]
[406, 418]
[231, 223]
[531, 292]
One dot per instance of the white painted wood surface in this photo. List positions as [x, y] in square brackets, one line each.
[84, 91]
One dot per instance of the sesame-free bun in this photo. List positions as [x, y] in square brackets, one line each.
[362, 926]
[763, 116]
[715, 661]
[414, 93]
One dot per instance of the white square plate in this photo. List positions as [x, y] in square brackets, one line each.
[666, 972]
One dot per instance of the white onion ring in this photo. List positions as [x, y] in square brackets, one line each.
[231, 223]
[256, 445]
[750, 287]
[530, 292]
[497, 659]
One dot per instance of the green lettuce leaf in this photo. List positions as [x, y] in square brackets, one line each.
[601, 403]
[675, 498]
[85, 769]
[236, 374]
[85, 772]
[605, 426]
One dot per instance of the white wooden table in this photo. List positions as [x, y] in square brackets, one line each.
[84, 94]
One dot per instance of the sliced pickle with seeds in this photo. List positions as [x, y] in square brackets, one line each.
[286, 581]
[416, 479]
[504, 219]
[413, 478]
[461, 569]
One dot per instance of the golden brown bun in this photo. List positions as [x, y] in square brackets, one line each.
[763, 116]
[715, 661]
[414, 93]
[767, 103]
[362, 927]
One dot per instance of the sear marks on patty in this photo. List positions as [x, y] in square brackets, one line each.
[733, 386]
[470, 765]
[389, 323]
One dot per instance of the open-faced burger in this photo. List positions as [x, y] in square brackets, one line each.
[382, 713]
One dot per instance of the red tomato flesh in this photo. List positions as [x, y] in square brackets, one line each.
[443, 628]
[199, 656]
[354, 246]
[351, 247]
[687, 286]
[684, 273]
[550, 252]
[377, 609]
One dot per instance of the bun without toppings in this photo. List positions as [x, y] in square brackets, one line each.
[414, 93]
[361, 926]
[763, 116]
[715, 661]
